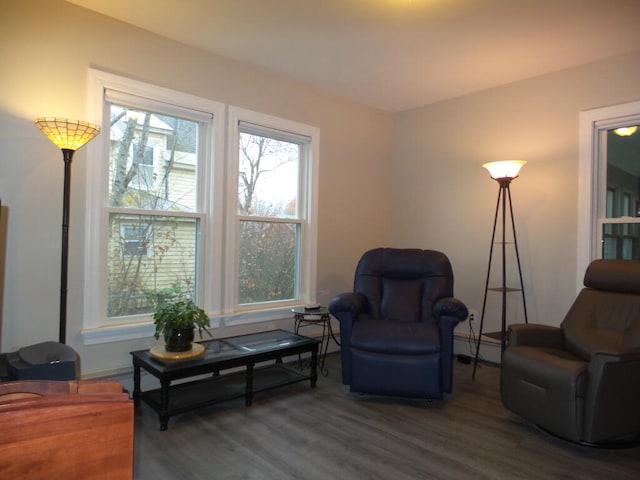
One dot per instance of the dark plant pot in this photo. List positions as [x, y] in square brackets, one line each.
[180, 340]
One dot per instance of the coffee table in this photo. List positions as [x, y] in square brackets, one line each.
[240, 354]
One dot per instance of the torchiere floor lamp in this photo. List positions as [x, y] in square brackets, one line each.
[69, 135]
[502, 172]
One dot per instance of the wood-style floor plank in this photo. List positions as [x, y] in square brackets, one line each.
[329, 433]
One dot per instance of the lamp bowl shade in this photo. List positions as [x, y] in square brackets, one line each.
[67, 134]
[504, 168]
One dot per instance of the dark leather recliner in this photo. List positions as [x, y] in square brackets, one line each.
[581, 381]
[396, 327]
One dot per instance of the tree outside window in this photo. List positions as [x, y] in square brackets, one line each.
[268, 211]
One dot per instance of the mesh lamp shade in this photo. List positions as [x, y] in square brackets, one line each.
[504, 168]
[67, 134]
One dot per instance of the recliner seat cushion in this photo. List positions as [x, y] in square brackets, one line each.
[396, 338]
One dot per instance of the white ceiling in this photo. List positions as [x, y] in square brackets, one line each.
[394, 54]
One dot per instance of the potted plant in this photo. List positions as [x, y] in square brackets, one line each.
[177, 322]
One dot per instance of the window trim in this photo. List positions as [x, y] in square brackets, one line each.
[592, 122]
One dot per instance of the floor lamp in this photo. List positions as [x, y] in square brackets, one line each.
[69, 135]
[502, 172]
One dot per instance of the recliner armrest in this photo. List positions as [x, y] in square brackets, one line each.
[535, 335]
[625, 362]
[621, 356]
[451, 307]
[347, 307]
[349, 302]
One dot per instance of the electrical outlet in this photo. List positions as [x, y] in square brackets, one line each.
[473, 316]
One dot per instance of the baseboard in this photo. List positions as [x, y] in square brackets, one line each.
[465, 344]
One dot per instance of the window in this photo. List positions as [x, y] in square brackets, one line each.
[156, 259]
[166, 222]
[268, 215]
[151, 204]
[609, 189]
[273, 210]
[620, 159]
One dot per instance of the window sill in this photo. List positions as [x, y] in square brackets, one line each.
[117, 333]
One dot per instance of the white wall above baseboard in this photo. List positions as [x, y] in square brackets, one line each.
[465, 344]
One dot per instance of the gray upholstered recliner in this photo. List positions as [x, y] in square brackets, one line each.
[581, 381]
[396, 327]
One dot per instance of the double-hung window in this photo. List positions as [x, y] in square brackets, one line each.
[271, 211]
[150, 198]
[177, 210]
[154, 219]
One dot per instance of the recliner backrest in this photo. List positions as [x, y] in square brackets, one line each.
[606, 314]
[403, 284]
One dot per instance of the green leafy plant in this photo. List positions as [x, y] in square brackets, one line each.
[178, 315]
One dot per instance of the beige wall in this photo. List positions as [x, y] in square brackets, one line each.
[444, 199]
[46, 47]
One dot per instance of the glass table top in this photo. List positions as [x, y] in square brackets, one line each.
[238, 346]
[262, 341]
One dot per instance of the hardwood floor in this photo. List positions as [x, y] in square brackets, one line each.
[329, 433]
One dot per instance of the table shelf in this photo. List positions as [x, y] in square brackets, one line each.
[188, 396]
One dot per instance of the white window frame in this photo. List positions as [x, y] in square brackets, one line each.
[96, 328]
[219, 234]
[308, 199]
[592, 178]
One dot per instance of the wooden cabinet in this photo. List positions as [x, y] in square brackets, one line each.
[71, 430]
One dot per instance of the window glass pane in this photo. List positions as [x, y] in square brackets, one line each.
[268, 261]
[151, 259]
[623, 174]
[152, 160]
[268, 177]
[621, 241]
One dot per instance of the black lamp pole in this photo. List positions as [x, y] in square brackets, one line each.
[67, 155]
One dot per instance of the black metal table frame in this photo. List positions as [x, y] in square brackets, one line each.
[320, 316]
[168, 371]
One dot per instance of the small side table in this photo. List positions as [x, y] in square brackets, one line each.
[305, 317]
